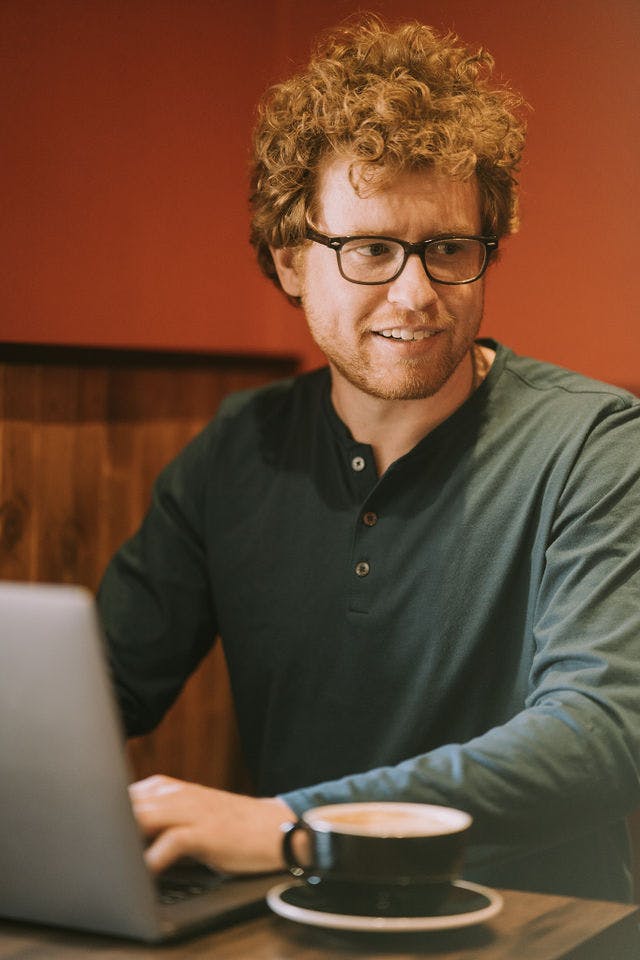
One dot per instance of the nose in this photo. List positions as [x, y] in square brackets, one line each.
[412, 290]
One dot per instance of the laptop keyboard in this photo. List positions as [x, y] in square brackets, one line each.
[171, 892]
[183, 883]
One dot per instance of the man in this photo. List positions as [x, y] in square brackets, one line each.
[423, 561]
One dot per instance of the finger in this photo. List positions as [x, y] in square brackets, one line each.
[169, 846]
[155, 786]
[150, 818]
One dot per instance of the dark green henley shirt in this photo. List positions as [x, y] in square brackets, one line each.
[463, 630]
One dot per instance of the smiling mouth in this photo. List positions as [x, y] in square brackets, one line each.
[405, 333]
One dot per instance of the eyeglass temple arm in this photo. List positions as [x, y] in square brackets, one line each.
[334, 242]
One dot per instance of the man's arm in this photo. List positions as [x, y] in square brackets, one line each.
[155, 599]
[570, 759]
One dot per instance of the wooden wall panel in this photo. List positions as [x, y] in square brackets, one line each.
[83, 434]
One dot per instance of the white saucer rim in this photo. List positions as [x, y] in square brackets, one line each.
[339, 921]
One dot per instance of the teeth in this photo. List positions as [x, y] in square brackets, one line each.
[404, 333]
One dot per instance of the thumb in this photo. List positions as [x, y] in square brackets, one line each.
[168, 846]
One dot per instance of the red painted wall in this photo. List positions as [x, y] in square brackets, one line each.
[124, 156]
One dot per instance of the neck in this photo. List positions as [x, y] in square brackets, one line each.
[393, 427]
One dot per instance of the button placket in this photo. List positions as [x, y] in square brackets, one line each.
[362, 468]
[365, 556]
[363, 567]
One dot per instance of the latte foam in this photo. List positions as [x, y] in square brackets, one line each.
[388, 819]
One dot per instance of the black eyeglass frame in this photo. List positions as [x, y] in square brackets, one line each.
[420, 249]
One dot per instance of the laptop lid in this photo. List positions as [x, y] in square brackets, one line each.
[71, 852]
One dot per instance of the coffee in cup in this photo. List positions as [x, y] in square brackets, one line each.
[380, 856]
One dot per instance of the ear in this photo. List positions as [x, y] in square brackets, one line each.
[287, 262]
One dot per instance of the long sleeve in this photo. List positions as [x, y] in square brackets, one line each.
[570, 758]
[155, 598]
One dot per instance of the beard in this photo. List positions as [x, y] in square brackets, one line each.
[402, 377]
[412, 379]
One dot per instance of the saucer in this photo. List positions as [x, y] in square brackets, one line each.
[465, 904]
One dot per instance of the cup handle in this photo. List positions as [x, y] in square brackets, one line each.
[289, 829]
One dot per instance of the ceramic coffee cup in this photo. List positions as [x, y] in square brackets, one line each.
[383, 857]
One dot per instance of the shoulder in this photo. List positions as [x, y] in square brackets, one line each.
[256, 421]
[273, 399]
[268, 417]
[536, 414]
[547, 382]
[538, 397]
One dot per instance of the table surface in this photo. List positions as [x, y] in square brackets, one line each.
[530, 927]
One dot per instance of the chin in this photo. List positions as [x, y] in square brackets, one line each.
[404, 391]
[408, 392]
[414, 382]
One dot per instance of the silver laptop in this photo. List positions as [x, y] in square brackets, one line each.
[70, 851]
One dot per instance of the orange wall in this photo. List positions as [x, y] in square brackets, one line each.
[125, 150]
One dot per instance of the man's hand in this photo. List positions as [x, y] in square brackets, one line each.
[226, 831]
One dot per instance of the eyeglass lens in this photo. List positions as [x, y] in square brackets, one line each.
[373, 260]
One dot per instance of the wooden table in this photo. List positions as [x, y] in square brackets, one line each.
[530, 927]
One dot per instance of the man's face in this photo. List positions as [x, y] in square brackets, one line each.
[404, 339]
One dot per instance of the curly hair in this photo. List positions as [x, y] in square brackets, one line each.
[389, 100]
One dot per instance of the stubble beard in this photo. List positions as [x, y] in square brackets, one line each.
[410, 378]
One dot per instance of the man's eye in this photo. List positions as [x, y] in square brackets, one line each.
[374, 249]
[447, 248]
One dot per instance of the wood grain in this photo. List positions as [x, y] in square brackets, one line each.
[83, 434]
[530, 927]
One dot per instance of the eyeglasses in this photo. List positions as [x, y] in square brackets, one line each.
[375, 260]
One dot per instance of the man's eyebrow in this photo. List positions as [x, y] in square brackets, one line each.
[447, 231]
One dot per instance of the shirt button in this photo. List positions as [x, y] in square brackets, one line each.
[358, 464]
[362, 568]
[370, 518]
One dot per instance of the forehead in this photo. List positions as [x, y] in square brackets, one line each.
[411, 204]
